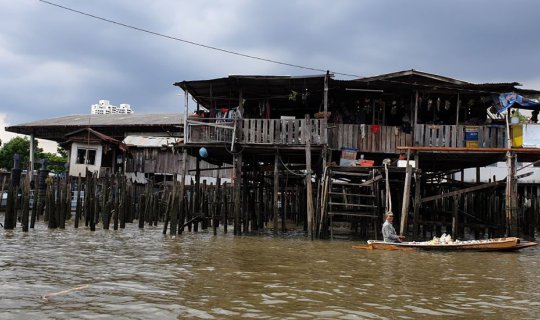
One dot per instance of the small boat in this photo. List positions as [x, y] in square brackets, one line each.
[495, 244]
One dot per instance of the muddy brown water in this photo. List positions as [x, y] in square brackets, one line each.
[141, 274]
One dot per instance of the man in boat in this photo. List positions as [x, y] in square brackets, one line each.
[388, 231]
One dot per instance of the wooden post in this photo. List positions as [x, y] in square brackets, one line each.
[457, 111]
[405, 203]
[186, 112]
[245, 201]
[309, 188]
[417, 194]
[182, 190]
[511, 196]
[173, 209]
[276, 191]
[225, 207]
[237, 193]
[197, 195]
[415, 120]
[455, 217]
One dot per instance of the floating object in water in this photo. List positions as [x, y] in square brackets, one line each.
[63, 292]
[497, 244]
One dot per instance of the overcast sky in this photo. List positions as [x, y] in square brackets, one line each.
[55, 62]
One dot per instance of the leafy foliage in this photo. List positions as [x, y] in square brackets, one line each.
[21, 146]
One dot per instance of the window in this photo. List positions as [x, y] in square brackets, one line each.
[86, 156]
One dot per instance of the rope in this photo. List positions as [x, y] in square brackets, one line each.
[298, 174]
[388, 202]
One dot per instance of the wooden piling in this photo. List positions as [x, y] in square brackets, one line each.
[181, 204]
[309, 188]
[237, 193]
[276, 191]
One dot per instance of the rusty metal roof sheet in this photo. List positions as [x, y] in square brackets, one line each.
[150, 141]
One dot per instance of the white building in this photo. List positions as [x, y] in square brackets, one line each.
[105, 107]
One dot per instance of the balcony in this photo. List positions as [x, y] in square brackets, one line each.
[288, 132]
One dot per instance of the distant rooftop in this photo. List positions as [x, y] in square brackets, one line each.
[114, 125]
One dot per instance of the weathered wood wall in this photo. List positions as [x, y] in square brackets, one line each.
[368, 138]
[259, 131]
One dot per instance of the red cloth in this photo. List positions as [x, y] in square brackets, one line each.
[375, 128]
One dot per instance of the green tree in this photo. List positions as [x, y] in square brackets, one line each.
[21, 146]
[56, 162]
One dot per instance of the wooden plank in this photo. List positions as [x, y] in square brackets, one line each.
[349, 143]
[369, 136]
[447, 139]
[257, 129]
[280, 134]
[290, 131]
[264, 137]
[271, 127]
[385, 138]
[253, 130]
[461, 191]
[356, 140]
[300, 126]
[481, 137]
[394, 140]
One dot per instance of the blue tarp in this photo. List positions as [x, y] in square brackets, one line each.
[507, 100]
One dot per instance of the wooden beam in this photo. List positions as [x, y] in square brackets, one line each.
[486, 150]
[461, 191]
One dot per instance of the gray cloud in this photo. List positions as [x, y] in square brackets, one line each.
[55, 62]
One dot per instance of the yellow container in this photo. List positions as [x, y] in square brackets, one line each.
[516, 131]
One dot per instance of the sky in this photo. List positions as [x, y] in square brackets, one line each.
[55, 62]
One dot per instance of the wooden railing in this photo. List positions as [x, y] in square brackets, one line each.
[368, 138]
[257, 131]
[386, 139]
[426, 135]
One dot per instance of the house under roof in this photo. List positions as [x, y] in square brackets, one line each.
[113, 125]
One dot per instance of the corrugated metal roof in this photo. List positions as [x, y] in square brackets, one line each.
[412, 73]
[114, 125]
[134, 119]
[150, 141]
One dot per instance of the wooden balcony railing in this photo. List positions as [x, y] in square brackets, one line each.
[386, 139]
[368, 138]
[257, 131]
[426, 135]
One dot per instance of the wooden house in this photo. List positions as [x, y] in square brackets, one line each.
[95, 142]
[291, 125]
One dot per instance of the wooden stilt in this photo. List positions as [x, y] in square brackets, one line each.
[237, 193]
[455, 217]
[309, 188]
[405, 203]
[511, 196]
[417, 194]
[276, 191]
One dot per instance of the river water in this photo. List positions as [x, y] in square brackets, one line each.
[141, 274]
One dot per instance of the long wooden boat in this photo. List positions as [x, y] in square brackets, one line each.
[496, 244]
